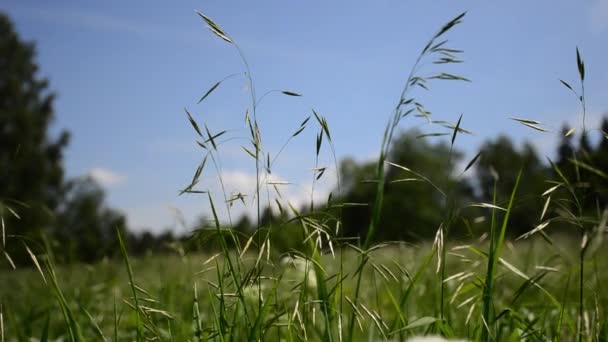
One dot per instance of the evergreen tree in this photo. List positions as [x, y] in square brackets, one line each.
[35, 199]
[31, 171]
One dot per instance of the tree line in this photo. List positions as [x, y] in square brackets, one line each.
[416, 200]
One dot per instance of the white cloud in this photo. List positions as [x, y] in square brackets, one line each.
[157, 216]
[106, 177]
[182, 212]
[239, 181]
[274, 187]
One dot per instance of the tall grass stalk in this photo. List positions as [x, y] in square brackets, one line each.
[496, 244]
[578, 192]
[125, 256]
[402, 109]
[257, 154]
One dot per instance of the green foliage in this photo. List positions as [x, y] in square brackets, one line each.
[84, 215]
[168, 282]
[497, 171]
[413, 206]
[31, 171]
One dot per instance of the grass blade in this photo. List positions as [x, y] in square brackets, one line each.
[213, 27]
[125, 257]
[209, 92]
[493, 257]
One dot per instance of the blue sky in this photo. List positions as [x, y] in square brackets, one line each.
[124, 71]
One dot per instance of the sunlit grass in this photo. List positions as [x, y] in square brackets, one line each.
[167, 282]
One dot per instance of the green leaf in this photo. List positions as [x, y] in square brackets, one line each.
[211, 138]
[437, 46]
[536, 127]
[451, 77]
[447, 60]
[406, 102]
[298, 131]
[421, 85]
[305, 121]
[589, 168]
[448, 26]
[215, 136]
[248, 152]
[319, 141]
[96, 327]
[496, 244]
[290, 93]
[45, 330]
[213, 27]
[472, 161]
[35, 260]
[209, 91]
[423, 112]
[196, 176]
[580, 64]
[320, 173]
[193, 123]
[420, 322]
[302, 127]
[201, 145]
[566, 85]
[426, 135]
[323, 124]
[279, 205]
[456, 129]
[452, 50]
[534, 122]
[125, 256]
[530, 123]
[460, 129]
[326, 129]
[268, 163]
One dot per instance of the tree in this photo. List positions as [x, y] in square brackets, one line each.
[85, 229]
[601, 162]
[500, 164]
[413, 206]
[35, 199]
[31, 171]
[589, 185]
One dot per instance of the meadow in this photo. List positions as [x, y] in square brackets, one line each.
[490, 287]
[536, 294]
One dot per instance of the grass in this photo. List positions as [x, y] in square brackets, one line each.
[333, 289]
[169, 289]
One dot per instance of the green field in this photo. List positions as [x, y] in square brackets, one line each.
[536, 295]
